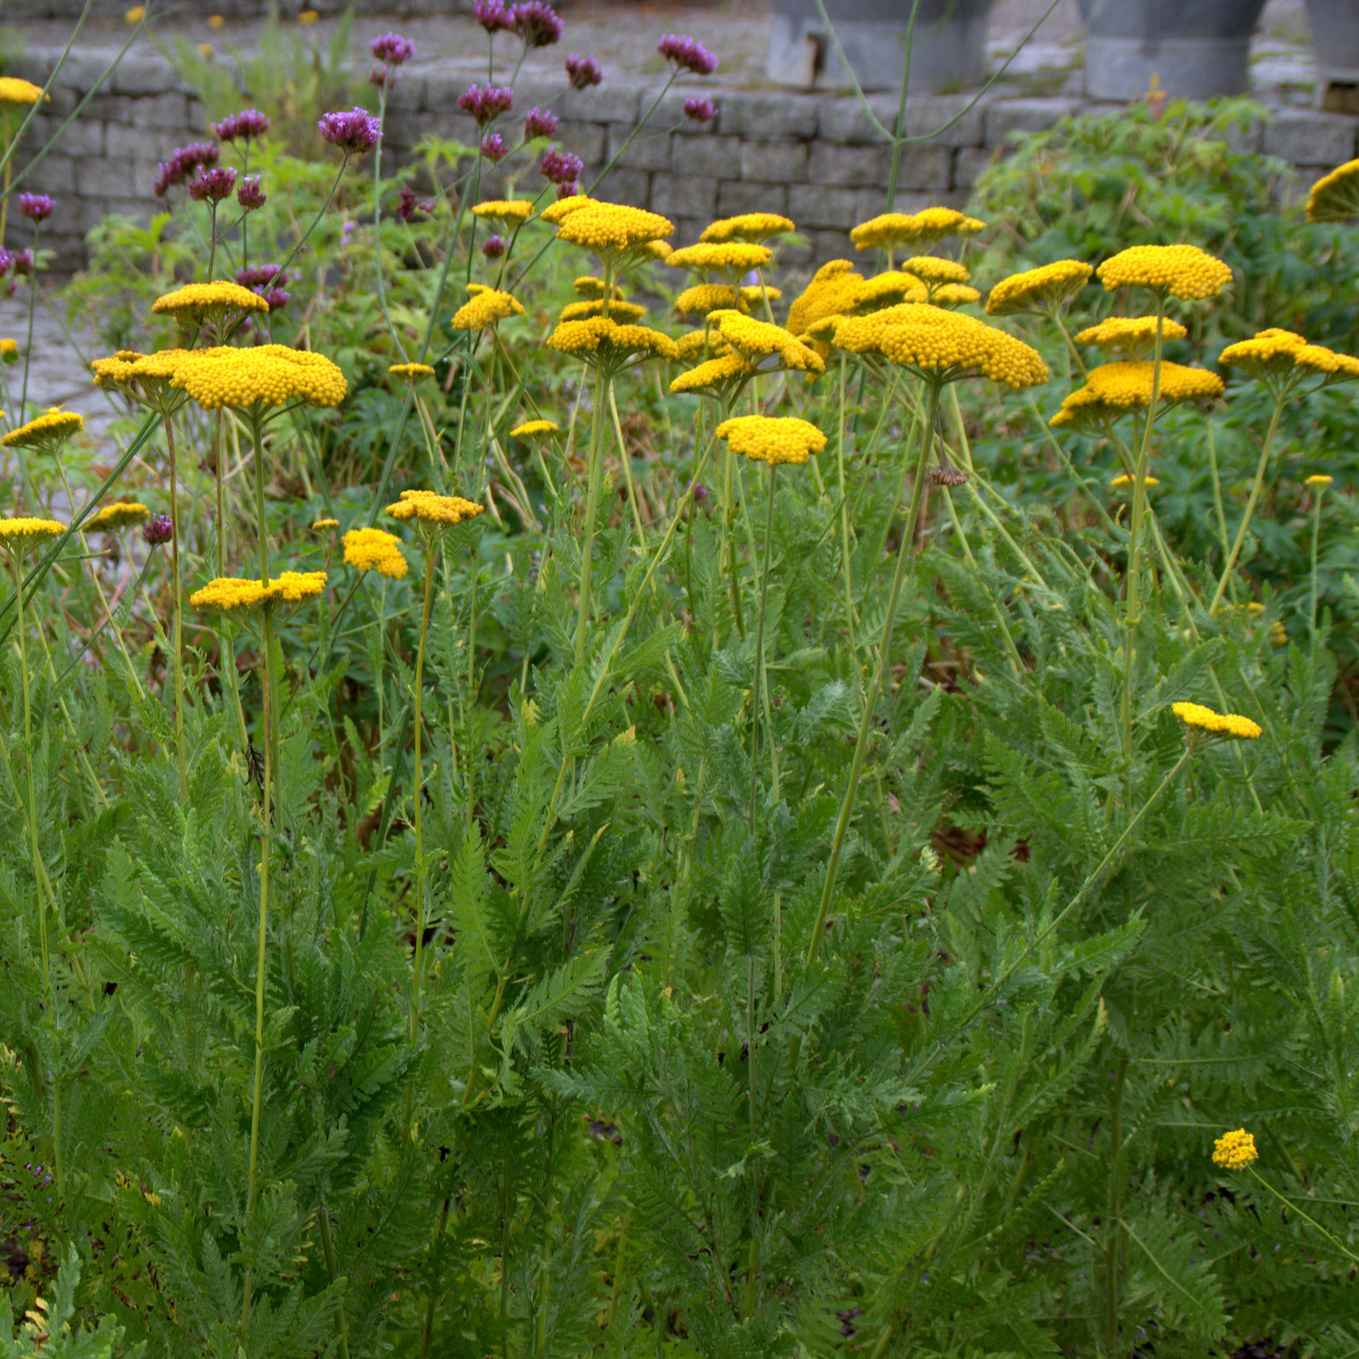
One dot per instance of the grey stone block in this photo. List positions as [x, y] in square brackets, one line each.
[767, 116]
[737, 196]
[835, 245]
[813, 206]
[711, 157]
[925, 167]
[785, 161]
[587, 140]
[693, 197]
[163, 112]
[626, 186]
[645, 151]
[844, 119]
[606, 103]
[1308, 138]
[110, 177]
[1006, 116]
[79, 138]
[139, 74]
[847, 165]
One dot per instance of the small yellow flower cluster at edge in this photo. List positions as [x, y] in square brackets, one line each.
[1203, 718]
[770, 438]
[233, 592]
[1182, 271]
[429, 507]
[374, 549]
[51, 427]
[20, 528]
[530, 428]
[118, 515]
[1235, 1150]
[197, 299]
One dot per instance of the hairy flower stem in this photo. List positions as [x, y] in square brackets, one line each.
[431, 560]
[596, 478]
[28, 341]
[1256, 488]
[177, 642]
[846, 562]
[1312, 594]
[760, 683]
[1306, 1217]
[905, 551]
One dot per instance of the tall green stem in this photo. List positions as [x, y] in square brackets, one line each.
[760, 684]
[177, 642]
[846, 562]
[1316, 537]
[431, 556]
[1256, 487]
[904, 553]
[595, 482]
[1113, 1244]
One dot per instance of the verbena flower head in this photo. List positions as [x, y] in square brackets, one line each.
[119, 514]
[536, 23]
[1050, 285]
[539, 123]
[512, 212]
[434, 510]
[747, 226]
[771, 439]
[374, 549]
[493, 147]
[1235, 1150]
[614, 229]
[212, 185]
[1132, 337]
[923, 228]
[1335, 196]
[1115, 389]
[23, 261]
[263, 376]
[494, 246]
[530, 429]
[1182, 271]
[687, 53]
[160, 528]
[410, 370]
[228, 593]
[486, 102]
[562, 168]
[1202, 718]
[603, 342]
[250, 195]
[765, 345]
[19, 93]
[492, 15]
[47, 431]
[244, 126]
[183, 162]
[16, 533]
[409, 207]
[37, 207]
[355, 132]
[262, 276]
[196, 302]
[392, 48]
[485, 308]
[699, 109]
[730, 258]
[583, 71]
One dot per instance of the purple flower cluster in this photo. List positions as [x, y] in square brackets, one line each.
[6, 261]
[184, 160]
[687, 53]
[582, 71]
[392, 48]
[355, 132]
[539, 123]
[37, 207]
[486, 102]
[562, 168]
[493, 147]
[261, 276]
[699, 109]
[212, 184]
[244, 126]
[493, 15]
[409, 207]
[160, 528]
[249, 195]
[536, 23]
[493, 247]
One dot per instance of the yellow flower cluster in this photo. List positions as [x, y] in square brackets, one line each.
[322, 525]
[511, 211]
[485, 308]
[118, 515]
[556, 213]
[1333, 198]
[19, 92]
[711, 257]
[747, 226]
[613, 228]
[374, 549]
[9, 351]
[234, 592]
[410, 370]
[46, 430]
[694, 343]
[1114, 389]
[1219, 724]
[761, 340]
[770, 438]
[603, 340]
[1319, 479]
[1335, 365]
[830, 292]
[713, 374]
[1180, 270]
[588, 285]
[15, 531]
[705, 297]
[1049, 285]
[265, 375]
[144, 377]
[753, 293]
[530, 428]
[429, 507]
[883, 290]
[1130, 336]
[934, 269]
[1235, 1150]
[916, 228]
[599, 306]
[1125, 479]
[953, 294]
[196, 300]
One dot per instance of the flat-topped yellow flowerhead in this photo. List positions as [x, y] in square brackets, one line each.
[120, 514]
[1319, 479]
[1115, 389]
[19, 93]
[770, 438]
[602, 340]
[410, 370]
[556, 213]
[9, 350]
[432, 509]
[714, 377]
[1235, 1150]
[486, 307]
[747, 226]
[913, 228]
[953, 294]
[936, 269]
[613, 229]
[1268, 353]
[703, 298]
[1041, 289]
[201, 301]
[324, 525]
[264, 376]
[1202, 718]
[1335, 196]
[1131, 337]
[830, 292]
[695, 344]
[756, 294]
[766, 345]
[18, 531]
[228, 593]
[886, 289]
[512, 211]
[1124, 479]
[144, 378]
[616, 307]
[729, 258]
[530, 429]
[1182, 271]
[591, 286]
[1336, 366]
[374, 549]
[47, 431]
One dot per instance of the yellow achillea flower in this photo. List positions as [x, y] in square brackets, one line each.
[1049, 285]
[760, 341]
[882, 290]
[954, 295]
[1335, 196]
[486, 307]
[1202, 718]
[51, 428]
[753, 293]
[1319, 479]
[915, 228]
[1125, 479]
[558, 212]
[694, 344]
[321, 525]
[16, 91]
[410, 370]
[530, 428]
[135, 15]
[589, 285]
[1235, 1150]
[1114, 389]
[705, 297]
[772, 439]
[831, 292]
[1180, 270]
[205, 50]
[265, 375]
[613, 228]
[15, 532]
[9, 351]
[603, 340]
[234, 592]
[935, 269]
[1335, 365]
[429, 507]
[713, 375]
[1130, 336]
[599, 306]
[1268, 353]
[374, 549]
[712, 257]
[308, 16]
[216, 22]
[511, 211]
[747, 226]
[118, 515]
[194, 301]
[658, 250]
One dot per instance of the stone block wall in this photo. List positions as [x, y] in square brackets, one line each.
[817, 157]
